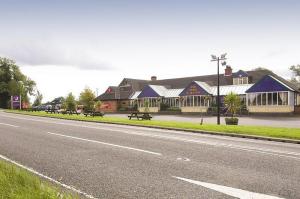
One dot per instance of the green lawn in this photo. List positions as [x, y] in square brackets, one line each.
[17, 183]
[289, 133]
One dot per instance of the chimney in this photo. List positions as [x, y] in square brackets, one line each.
[153, 78]
[228, 71]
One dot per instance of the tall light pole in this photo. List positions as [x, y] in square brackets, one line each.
[20, 93]
[218, 59]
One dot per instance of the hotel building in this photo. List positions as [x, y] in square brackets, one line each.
[261, 91]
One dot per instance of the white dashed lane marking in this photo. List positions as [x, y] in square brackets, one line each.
[11, 125]
[105, 143]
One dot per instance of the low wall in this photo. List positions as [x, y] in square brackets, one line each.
[150, 109]
[297, 109]
[194, 109]
[271, 109]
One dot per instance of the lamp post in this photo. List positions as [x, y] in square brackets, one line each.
[218, 59]
[20, 93]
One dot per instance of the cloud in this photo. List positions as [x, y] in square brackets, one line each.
[40, 53]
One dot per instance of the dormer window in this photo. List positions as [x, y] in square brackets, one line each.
[240, 77]
[240, 80]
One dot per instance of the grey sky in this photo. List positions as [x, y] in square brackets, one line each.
[97, 43]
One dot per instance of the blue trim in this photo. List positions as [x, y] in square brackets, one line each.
[148, 92]
[193, 89]
[267, 84]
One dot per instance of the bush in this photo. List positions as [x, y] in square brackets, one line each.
[164, 106]
[123, 109]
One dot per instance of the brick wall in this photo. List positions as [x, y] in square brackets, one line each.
[109, 106]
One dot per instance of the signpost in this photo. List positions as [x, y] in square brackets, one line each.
[16, 102]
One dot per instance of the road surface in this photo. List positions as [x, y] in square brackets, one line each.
[114, 161]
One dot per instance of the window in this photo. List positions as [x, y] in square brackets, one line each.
[189, 101]
[259, 99]
[270, 99]
[183, 101]
[197, 101]
[176, 102]
[282, 98]
[202, 100]
[252, 99]
[206, 101]
[235, 81]
[275, 98]
[240, 80]
[264, 99]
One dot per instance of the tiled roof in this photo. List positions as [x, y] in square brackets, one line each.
[173, 92]
[180, 83]
[160, 90]
[135, 95]
[237, 89]
[205, 86]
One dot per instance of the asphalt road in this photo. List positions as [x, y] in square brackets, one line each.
[113, 161]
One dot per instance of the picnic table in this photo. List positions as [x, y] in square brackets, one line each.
[137, 115]
[51, 111]
[70, 112]
[93, 113]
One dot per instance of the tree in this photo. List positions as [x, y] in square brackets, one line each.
[70, 102]
[87, 99]
[262, 68]
[232, 103]
[13, 82]
[296, 72]
[38, 99]
[98, 105]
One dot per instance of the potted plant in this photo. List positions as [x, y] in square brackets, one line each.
[232, 103]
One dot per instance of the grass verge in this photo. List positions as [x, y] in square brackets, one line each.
[274, 132]
[17, 183]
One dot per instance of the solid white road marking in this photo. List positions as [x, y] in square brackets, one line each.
[105, 143]
[238, 193]
[9, 125]
[277, 153]
[47, 178]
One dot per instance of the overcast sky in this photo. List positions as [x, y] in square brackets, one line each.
[67, 45]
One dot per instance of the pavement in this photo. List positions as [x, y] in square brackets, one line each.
[275, 121]
[113, 161]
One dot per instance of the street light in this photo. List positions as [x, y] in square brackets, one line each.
[20, 94]
[218, 59]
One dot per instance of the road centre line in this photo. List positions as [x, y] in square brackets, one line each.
[105, 143]
[47, 178]
[171, 137]
[9, 125]
[234, 192]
